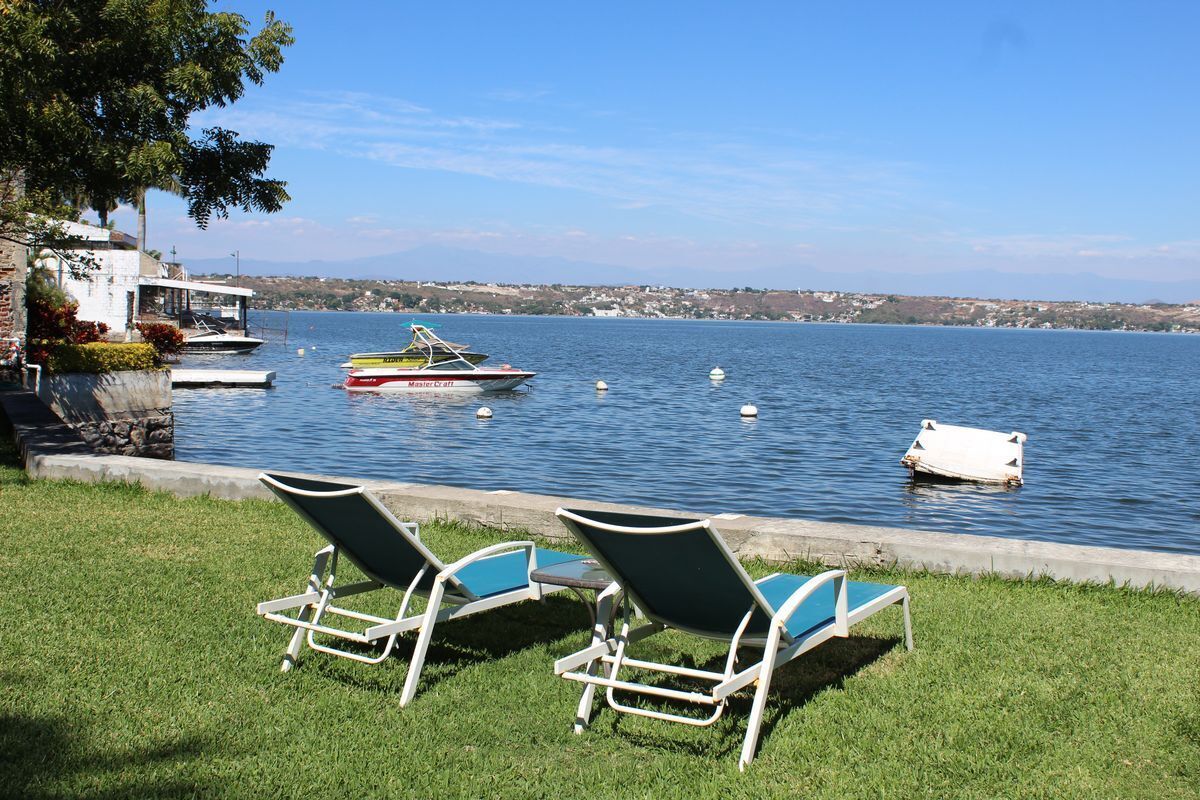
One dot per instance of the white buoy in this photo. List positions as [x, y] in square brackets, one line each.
[300, 352]
[484, 413]
[601, 386]
[314, 348]
[717, 374]
[749, 411]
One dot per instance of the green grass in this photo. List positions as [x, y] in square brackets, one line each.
[132, 664]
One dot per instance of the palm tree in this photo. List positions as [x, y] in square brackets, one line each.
[169, 184]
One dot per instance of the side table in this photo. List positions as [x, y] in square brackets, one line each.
[584, 573]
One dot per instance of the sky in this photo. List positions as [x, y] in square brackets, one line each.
[899, 137]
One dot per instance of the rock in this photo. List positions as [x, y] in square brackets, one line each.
[165, 451]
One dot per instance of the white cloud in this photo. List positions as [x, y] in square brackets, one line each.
[700, 176]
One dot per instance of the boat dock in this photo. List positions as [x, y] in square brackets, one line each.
[222, 378]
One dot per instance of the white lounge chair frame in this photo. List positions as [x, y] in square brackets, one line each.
[608, 652]
[447, 599]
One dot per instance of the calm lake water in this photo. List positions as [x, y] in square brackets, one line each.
[1113, 456]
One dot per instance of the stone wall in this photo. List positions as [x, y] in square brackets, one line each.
[12, 290]
[120, 413]
[147, 436]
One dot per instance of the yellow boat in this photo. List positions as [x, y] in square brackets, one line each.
[425, 348]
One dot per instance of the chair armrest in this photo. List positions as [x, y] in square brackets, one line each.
[841, 611]
[486, 552]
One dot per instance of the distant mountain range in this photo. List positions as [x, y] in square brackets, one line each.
[436, 263]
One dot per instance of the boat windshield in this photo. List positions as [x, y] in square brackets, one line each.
[453, 364]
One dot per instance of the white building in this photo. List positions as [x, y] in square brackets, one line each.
[129, 285]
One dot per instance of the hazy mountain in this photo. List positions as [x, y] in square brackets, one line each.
[433, 262]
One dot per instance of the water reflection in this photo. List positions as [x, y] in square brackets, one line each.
[971, 505]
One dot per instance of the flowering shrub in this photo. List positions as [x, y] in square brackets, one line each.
[52, 324]
[166, 339]
[10, 352]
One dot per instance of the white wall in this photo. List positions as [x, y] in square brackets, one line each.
[103, 297]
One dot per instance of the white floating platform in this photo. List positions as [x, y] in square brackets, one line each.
[232, 378]
[969, 454]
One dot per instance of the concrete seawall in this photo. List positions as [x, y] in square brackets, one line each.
[122, 413]
[48, 453]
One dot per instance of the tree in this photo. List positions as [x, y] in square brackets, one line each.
[170, 185]
[96, 98]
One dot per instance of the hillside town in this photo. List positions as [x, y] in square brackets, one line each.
[802, 305]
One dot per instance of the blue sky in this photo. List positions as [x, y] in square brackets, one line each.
[908, 137]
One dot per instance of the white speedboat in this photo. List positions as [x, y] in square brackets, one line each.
[213, 339]
[444, 369]
[445, 376]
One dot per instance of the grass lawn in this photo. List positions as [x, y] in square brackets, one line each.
[132, 664]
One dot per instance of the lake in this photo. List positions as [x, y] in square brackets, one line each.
[1113, 456]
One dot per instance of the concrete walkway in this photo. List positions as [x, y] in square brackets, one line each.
[50, 452]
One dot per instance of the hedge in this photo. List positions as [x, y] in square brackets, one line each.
[102, 357]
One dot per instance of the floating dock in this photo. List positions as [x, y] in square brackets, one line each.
[221, 378]
[967, 454]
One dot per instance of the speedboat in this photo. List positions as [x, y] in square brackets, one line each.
[210, 338]
[445, 369]
[424, 348]
[459, 375]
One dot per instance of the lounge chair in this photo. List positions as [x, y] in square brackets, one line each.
[680, 574]
[390, 553]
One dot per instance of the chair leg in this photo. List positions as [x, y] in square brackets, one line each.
[291, 656]
[583, 714]
[754, 724]
[422, 646]
[908, 640]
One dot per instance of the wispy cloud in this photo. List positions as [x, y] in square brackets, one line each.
[1033, 246]
[518, 95]
[701, 176]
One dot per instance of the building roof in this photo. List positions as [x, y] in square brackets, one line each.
[196, 286]
[94, 233]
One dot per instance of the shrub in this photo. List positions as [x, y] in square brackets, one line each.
[102, 357]
[165, 339]
[52, 324]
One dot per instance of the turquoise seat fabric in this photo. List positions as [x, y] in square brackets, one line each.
[817, 611]
[507, 572]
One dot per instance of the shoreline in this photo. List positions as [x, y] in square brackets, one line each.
[634, 318]
[49, 449]
[746, 304]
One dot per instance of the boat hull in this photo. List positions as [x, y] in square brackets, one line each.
[226, 346]
[418, 380]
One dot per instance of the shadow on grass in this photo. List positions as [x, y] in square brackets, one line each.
[793, 685]
[9, 458]
[49, 756]
[461, 644]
